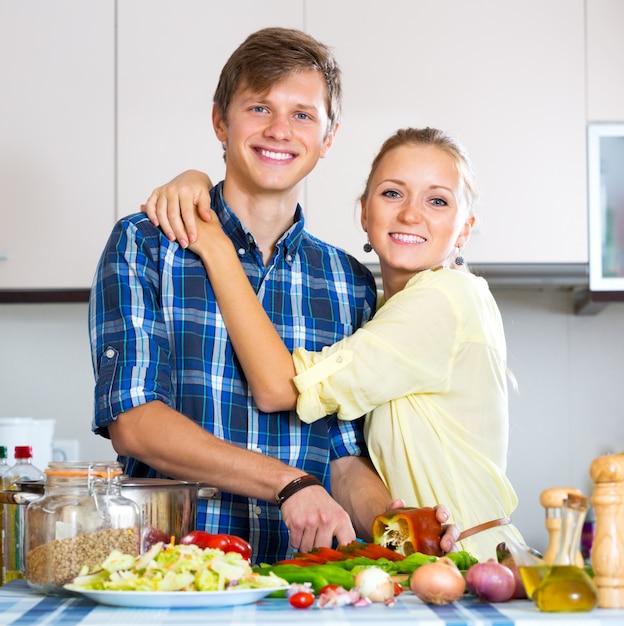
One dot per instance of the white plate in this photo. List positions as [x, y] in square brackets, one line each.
[178, 599]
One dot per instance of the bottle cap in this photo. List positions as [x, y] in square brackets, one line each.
[3, 452]
[23, 452]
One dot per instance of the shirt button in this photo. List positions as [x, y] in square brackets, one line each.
[338, 359]
[241, 251]
[257, 510]
[289, 258]
[110, 353]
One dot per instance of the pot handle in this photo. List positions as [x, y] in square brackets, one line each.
[18, 497]
[205, 492]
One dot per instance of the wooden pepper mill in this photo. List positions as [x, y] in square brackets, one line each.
[607, 555]
[552, 500]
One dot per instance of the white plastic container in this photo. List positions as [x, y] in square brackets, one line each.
[28, 431]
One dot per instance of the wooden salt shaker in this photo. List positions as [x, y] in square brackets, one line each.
[552, 500]
[607, 555]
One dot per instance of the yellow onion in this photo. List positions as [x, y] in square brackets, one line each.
[439, 582]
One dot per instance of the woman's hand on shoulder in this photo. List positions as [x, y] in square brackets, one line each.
[176, 205]
[211, 241]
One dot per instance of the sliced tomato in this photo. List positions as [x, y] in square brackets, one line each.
[328, 588]
[375, 551]
[311, 557]
[349, 547]
[398, 589]
[329, 554]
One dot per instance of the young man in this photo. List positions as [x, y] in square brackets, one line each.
[169, 390]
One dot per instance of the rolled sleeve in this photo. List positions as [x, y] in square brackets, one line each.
[312, 403]
[130, 351]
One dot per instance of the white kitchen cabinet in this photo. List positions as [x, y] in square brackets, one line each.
[605, 60]
[506, 78]
[170, 55]
[58, 138]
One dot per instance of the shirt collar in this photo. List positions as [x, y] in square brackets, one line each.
[243, 238]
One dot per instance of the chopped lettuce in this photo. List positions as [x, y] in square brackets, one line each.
[167, 567]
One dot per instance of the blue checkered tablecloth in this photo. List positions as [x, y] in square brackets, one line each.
[21, 606]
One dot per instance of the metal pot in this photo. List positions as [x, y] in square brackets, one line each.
[168, 507]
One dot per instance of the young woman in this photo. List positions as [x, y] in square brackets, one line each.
[428, 371]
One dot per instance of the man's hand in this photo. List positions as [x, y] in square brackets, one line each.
[174, 206]
[314, 518]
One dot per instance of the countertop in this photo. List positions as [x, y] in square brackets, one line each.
[20, 605]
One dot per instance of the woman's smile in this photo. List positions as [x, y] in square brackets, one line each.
[407, 238]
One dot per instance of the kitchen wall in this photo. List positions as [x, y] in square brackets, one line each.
[568, 408]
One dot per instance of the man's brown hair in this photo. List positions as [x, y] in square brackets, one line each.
[272, 54]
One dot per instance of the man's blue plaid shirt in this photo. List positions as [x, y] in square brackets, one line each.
[157, 334]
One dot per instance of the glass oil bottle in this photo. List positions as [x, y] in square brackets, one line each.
[14, 515]
[566, 587]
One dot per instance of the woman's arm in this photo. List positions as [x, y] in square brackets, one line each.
[174, 206]
[266, 361]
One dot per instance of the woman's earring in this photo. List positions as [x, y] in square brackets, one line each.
[367, 247]
[459, 259]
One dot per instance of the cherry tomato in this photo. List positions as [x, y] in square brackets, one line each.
[327, 588]
[398, 589]
[301, 600]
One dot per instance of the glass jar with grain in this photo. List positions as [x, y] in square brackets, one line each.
[75, 525]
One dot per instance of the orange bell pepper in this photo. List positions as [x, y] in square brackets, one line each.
[409, 530]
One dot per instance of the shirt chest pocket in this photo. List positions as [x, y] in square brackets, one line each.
[315, 334]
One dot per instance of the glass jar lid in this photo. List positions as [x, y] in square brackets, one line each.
[84, 469]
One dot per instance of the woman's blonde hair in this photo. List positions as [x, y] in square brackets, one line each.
[444, 141]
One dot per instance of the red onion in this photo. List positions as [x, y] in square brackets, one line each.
[491, 581]
[520, 591]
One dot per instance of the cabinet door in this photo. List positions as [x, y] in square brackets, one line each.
[170, 56]
[506, 78]
[605, 59]
[57, 148]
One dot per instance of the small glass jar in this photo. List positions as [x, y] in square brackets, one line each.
[78, 521]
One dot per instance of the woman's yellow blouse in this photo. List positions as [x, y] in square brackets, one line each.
[429, 373]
